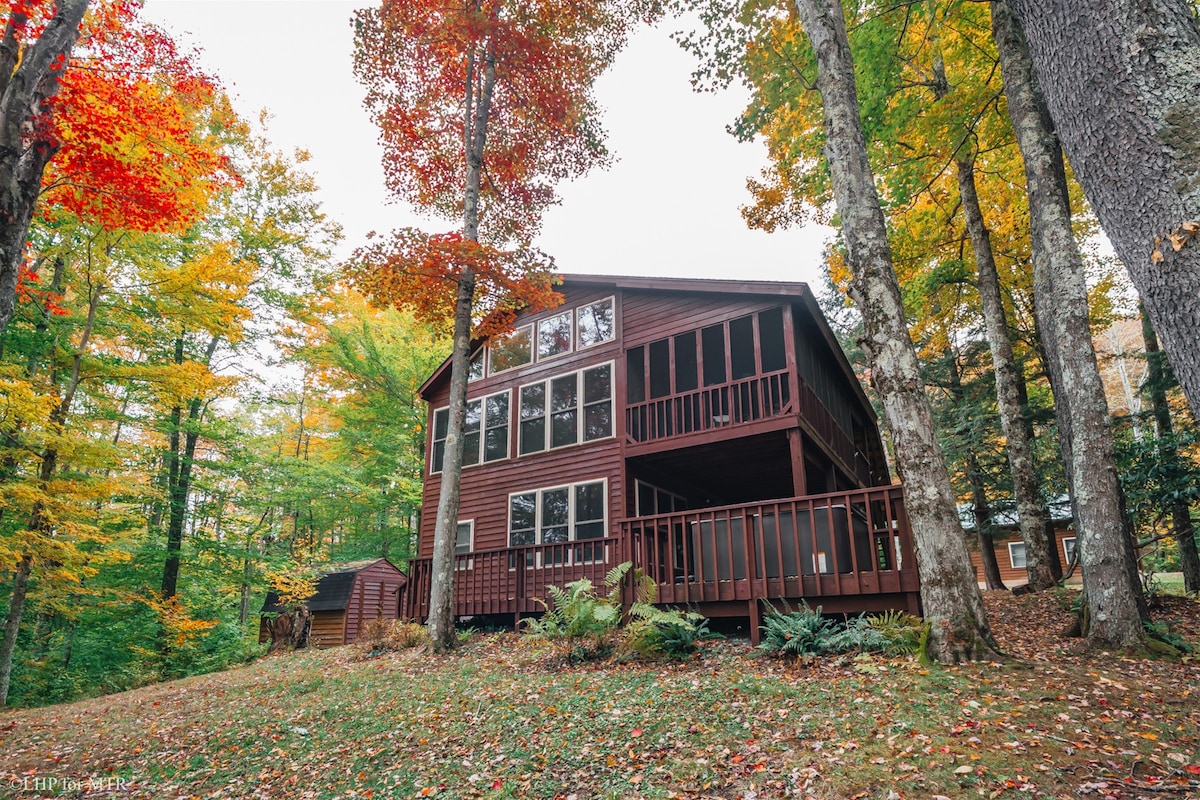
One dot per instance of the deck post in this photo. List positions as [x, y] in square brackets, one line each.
[755, 615]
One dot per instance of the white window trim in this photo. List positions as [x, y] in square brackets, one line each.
[612, 299]
[571, 520]
[1074, 540]
[579, 409]
[489, 372]
[1011, 561]
[483, 429]
[538, 357]
[470, 562]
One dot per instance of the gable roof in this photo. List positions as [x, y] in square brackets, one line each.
[795, 290]
[333, 588]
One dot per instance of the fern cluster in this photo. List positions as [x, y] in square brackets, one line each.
[806, 632]
[582, 626]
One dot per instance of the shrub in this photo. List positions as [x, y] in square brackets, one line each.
[578, 623]
[387, 635]
[657, 633]
[800, 633]
[807, 633]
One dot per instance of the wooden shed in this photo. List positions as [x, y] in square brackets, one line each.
[347, 595]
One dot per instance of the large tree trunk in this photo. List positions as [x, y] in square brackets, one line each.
[1121, 79]
[1031, 511]
[28, 82]
[445, 531]
[1181, 513]
[949, 593]
[16, 607]
[1115, 604]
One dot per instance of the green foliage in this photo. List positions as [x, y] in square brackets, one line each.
[1162, 632]
[656, 633]
[808, 633]
[578, 623]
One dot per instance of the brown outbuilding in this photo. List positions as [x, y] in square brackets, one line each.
[347, 596]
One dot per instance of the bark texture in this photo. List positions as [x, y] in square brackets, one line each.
[1031, 511]
[1115, 604]
[29, 79]
[1121, 79]
[480, 84]
[1181, 514]
[949, 593]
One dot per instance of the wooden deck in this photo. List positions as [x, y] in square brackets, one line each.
[846, 552]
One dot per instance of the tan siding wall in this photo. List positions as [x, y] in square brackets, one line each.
[326, 630]
[1017, 575]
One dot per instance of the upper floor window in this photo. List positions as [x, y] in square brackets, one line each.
[485, 432]
[595, 323]
[554, 335]
[475, 366]
[511, 351]
[566, 409]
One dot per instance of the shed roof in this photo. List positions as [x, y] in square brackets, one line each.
[333, 588]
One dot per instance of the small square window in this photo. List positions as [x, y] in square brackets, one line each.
[554, 336]
[596, 323]
[1016, 554]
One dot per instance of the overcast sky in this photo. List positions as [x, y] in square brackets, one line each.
[669, 206]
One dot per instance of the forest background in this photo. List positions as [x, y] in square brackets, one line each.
[179, 264]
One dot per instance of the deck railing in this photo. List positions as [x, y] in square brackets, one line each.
[507, 580]
[839, 545]
[848, 543]
[734, 403]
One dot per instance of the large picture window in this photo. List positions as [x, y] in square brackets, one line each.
[557, 515]
[566, 410]
[485, 432]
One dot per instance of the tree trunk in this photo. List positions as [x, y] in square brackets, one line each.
[983, 528]
[445, 532]
[16, 607]
[950, 595]
[179, 482]
[1121, 80]
[28, 82]
[1181, 514]
[289, 630]
[1031, 511]
[1115, 604]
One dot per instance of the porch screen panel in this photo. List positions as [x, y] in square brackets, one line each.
[771, 346]
[742, 359]
[712, 350]
[635, 375]
[685, 362]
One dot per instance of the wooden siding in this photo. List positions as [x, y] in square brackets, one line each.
[376, 595]
[650, 316]
[1015, 576]
[327, 629]
[486, 488]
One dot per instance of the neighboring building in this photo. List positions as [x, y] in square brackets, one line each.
[346, 597]
[712, 432]
[1007, 543]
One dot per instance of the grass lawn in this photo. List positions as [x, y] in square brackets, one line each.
[497, 720]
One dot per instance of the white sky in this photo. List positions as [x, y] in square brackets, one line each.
[668, 206]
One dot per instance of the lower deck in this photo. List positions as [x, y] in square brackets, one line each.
[846, 552]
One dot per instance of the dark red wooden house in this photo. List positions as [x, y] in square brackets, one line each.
[347, 596]
[712, 432]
